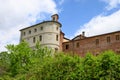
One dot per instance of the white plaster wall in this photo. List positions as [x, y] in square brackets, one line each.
[48, 34]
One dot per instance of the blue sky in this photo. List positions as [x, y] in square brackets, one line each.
[92, 16]
[75, 13]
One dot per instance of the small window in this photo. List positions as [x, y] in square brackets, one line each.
[33, 39]
[77, 44]
[35, 30]
[24, 33]
[56, 49]
[53, 18]
[57, 28]
[67, 46]
[41, 28]
[97, 41]
[118, 51]
[56, 37]
[29, 31]
[117, 37]
[108, 39]
[40, 37]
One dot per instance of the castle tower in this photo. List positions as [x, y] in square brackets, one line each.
[55, 17]
[47, 33]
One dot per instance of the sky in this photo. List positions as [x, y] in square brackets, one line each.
[94, 17]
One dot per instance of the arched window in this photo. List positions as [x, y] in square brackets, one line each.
[35, 30]
[33, 39]
[40, 38]
[117, 37]
[97, 41]
[67, 46]
[56, 37]
[29, 32]
[41, 28]
[57, 28]
[24, 33]
[56, 49]
[108, 39]
[77, 44]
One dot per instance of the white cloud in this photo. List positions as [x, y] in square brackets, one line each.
[112, 4]
[101, 24]
[16, 14]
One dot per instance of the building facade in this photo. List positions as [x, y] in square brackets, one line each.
[49, 34]
[46, 32]
[95, 44]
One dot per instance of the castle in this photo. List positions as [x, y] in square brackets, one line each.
[49, 34]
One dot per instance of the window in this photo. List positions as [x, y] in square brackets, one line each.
[77, 44]
[29, 31]
[35, 30]
[117, 37]
[118, 51]
[67, 46]
[24, 33]
[41, 28]
[33, 39]
[97, 41]
[40, 37]
[57, 28]
[56, 37]
[56, 49]
[53, 18]
[108, 39]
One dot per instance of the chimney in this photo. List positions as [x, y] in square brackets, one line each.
[83, 33]
[55, 17]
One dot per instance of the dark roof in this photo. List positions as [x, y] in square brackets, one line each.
[56, 15]
[93, 36]
[41, 23]
[66, 38]
[104, 34]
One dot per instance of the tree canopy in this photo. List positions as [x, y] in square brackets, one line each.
[21, 62]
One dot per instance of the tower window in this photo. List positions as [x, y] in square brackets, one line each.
[56, 37]
[77, 44]
[56, 49]
[67, 46]
[40, 37]
[108, 39]
[41, 28]
[97, 41]
[57, 28]
[53, 18]
[29, 32]
[24, 33]
[35, 30]
[117, 37]
[33, 39]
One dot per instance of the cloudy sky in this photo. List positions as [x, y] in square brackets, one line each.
[92, 16]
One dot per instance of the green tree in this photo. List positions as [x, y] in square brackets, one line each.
[19, 58]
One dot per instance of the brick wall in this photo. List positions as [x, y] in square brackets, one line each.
[95, 44]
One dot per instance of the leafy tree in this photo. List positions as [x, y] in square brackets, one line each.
[21, 62]
[19, 58]
[109, 66]
[60, 67]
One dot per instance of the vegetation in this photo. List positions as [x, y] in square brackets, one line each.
[22, 63]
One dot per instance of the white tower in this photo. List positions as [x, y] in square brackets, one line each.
[47, 32]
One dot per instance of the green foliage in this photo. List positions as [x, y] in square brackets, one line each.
[60, 67]
[21, 62]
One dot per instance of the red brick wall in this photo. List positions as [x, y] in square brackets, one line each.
[61, 39]
[89, 44]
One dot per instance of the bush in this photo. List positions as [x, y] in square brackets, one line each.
[20, 62]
